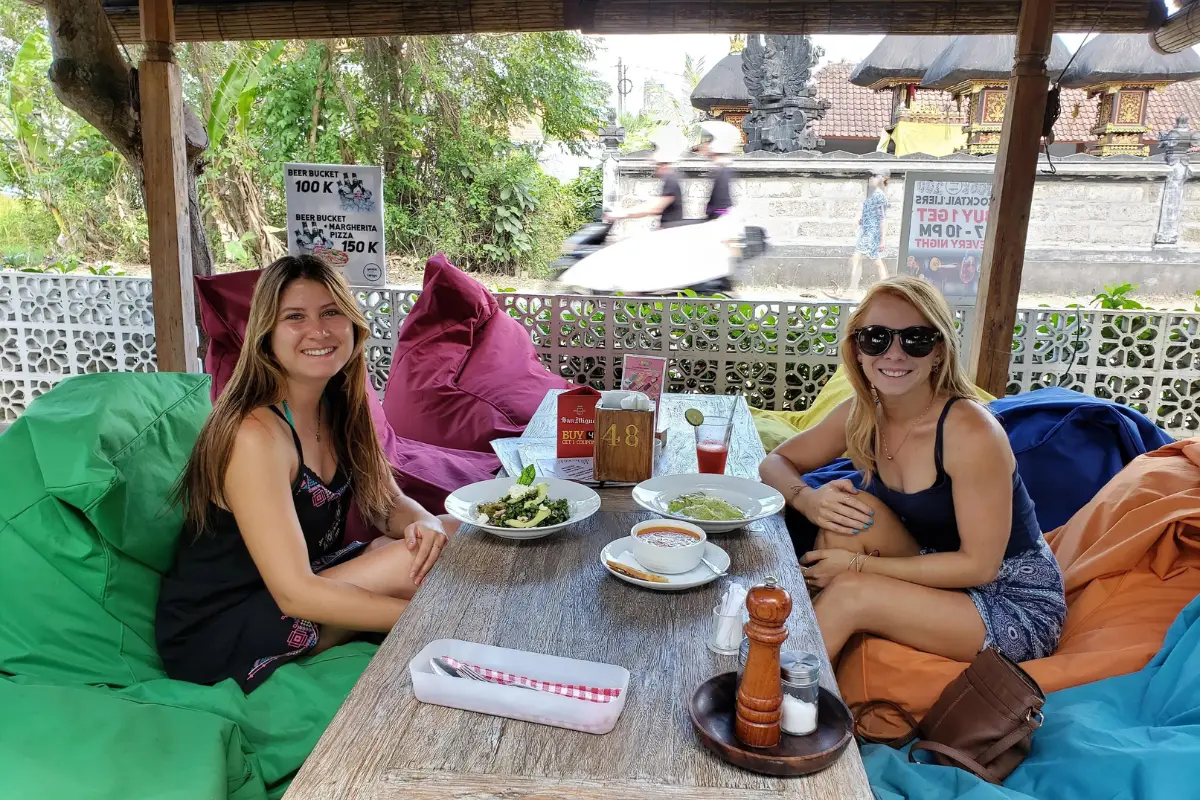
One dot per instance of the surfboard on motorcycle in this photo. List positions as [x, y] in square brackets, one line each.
[707, 257]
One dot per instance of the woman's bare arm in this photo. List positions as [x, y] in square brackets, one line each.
[803, 453]
[259, 494]
[405, 511]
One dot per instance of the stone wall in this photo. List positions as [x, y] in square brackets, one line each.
[1092, 221]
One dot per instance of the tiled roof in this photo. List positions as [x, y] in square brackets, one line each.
[856, 111]
[859, 113]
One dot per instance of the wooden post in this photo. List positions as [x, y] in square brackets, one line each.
[165, 173]
[1012, 194]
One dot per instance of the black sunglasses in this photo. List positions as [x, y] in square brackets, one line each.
[918, 341]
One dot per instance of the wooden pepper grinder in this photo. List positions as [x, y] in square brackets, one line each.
[760, 696]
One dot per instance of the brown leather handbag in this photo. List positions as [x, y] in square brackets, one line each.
[983, 722]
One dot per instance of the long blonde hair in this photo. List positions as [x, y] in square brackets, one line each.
[259, 380]
[949, 379]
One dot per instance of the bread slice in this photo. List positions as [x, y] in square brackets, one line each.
[617, 566]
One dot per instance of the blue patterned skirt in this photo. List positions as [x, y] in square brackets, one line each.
[1024, 609]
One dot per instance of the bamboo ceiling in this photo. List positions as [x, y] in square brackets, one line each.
[215, 20]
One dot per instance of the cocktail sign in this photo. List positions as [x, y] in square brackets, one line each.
[760, 696]
[645, 374]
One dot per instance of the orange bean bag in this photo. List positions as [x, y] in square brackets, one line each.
[1131, 560]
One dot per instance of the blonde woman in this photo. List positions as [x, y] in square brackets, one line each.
[872, 227]
[261, 576]
[941, 550]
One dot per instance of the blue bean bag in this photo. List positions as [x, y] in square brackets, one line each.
[1132, 736]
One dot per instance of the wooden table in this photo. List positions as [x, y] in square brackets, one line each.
[552, 595]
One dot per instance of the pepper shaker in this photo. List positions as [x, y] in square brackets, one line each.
[760, 695]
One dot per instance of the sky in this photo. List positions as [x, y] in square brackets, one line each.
[660, 56]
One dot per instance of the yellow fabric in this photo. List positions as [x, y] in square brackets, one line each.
[776, 427]
[884, 139]
[933, 138]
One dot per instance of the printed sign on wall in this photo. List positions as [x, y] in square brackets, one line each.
[336, 212]
[944, 221]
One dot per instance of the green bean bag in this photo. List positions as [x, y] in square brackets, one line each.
[86, 531]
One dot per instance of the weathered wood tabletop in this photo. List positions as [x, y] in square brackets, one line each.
[552, 595]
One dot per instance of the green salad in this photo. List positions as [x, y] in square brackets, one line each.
[698, 505]
[524, 505]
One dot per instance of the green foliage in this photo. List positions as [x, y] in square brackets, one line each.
[69, 264]
[434, 112]
[53, 159]
[26, 228]
[237, 91]
[666, 108]
[586, 192]
[1117, 297]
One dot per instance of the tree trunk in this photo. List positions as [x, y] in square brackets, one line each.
[322, 80]
[90, 77]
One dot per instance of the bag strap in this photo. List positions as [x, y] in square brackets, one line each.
[1027, 727]
[860, 711]
[960, 759]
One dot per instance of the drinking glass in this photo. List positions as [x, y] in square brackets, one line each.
[726, 635]
[712, 444]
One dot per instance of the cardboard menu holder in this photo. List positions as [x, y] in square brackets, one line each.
[576, 437]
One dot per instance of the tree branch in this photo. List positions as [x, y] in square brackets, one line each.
[90, 76]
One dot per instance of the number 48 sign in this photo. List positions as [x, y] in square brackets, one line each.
[336, 212]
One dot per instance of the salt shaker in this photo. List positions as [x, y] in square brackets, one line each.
[801, 673]
[760, 695]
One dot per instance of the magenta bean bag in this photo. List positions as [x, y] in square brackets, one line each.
[463, 372]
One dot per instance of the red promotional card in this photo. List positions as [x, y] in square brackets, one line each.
[577, 423]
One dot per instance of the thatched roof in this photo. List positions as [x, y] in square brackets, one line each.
[899, 58]
[215, 20]
[984, 58]
[1118, 58]
[722, 85]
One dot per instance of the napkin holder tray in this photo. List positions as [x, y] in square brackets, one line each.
[512, 702]
[624, 447]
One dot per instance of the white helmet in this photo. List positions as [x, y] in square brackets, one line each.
[724, 138]
[669, 144]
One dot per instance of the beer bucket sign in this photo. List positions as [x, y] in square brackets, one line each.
[336, 212]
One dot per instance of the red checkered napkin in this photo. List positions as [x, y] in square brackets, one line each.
[589, 693]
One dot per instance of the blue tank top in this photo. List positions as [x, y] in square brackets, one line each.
[929, 515]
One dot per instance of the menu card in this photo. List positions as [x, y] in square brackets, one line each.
[645, 374]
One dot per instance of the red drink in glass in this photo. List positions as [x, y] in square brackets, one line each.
[711, 456]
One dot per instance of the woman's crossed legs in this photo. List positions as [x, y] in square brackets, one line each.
[940, 621]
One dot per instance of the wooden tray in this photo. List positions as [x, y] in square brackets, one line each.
[713, 706]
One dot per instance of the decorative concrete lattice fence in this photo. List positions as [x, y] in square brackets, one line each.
[778, 354]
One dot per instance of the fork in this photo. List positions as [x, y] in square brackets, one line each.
[463, 671]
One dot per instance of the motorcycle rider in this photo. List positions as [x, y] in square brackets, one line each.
[668, 204]
[717, 142]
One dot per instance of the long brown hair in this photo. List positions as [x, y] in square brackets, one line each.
[949, 379]
[259, 380]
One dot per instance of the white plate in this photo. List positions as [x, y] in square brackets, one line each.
[755, 499]
[462, 505]
[675, 583]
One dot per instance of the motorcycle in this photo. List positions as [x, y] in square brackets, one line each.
[750, 243]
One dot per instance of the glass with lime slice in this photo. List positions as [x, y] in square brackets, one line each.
[694, 417]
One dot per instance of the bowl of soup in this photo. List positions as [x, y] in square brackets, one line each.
[668, 546]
